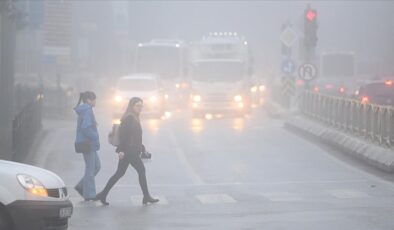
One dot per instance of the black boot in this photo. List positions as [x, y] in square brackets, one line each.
[149, 199]
[101, 198]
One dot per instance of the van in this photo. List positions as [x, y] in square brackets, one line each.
[32, 198]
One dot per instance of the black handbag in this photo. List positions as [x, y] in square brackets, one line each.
[83, 147]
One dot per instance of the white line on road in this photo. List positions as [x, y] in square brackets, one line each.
[215, 199]
[348, 194]
[247, 184]
[282, 196]
[197, 180]
[137, 200]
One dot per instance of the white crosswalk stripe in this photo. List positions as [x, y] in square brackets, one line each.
[222, 198]
[347, 194]
[137, 200]
[282, 196]
[215, 199]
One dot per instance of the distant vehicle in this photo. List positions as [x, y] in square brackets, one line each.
[144, 85]
[32, 198]
[381, 93]
[337, 71]
[221, 76]
[258, 92]
[169, 59]
[337, 65]
[334, 88]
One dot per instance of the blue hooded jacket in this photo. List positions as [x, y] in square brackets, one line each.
[87, 126]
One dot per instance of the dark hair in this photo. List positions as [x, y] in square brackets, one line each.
[129, 109]
[83, 97]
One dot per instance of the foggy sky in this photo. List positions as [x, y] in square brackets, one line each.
[363, 27]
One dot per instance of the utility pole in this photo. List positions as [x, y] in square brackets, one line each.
[8, 25]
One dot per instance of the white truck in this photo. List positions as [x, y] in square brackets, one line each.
[32, 198]
[169, 60]
[337, 73]
[221, 76]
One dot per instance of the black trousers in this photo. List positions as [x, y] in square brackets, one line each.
[135, 161]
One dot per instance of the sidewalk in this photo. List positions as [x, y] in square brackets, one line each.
[46, 141]
[348, 144]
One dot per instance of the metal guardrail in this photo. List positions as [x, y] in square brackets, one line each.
[370, 121]
[26, 125]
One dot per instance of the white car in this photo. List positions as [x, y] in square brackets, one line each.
[32, 198]
[147, 87]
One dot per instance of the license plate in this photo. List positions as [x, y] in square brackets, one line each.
[65, 212]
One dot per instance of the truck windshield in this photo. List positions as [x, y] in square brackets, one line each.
[164, 61]
[337, 65]
[137, 85]
[218, 71]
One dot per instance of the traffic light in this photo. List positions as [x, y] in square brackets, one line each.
[310, 27]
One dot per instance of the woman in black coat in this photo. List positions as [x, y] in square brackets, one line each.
[129, 151]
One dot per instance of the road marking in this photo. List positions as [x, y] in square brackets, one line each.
[215, 199]
[282, 196]
[244, 184]
[347, 194]
[78, 202]
[137, 200]
[197, 180]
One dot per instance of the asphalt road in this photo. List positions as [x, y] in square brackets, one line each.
[245, 173]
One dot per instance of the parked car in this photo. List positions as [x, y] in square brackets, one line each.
[377, 92]
[146, 86]
[32, 198]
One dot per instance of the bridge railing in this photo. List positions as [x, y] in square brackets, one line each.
[370, 121]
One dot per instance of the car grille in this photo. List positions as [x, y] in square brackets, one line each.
[55, 193]
[217, 99]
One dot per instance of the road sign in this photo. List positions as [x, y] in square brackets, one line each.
[289, 87]
[288, 36]
[288, 66]
[307, 72]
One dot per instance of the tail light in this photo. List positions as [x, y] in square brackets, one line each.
[364, 99]
[316, 89]
[389, 82]
[342, 90]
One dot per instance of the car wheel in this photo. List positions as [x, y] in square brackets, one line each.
[4, 221]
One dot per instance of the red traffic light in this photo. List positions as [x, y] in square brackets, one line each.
[311, 15]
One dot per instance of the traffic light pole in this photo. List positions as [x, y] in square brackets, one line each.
[7, 50]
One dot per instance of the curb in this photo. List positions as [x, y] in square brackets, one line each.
[379, 157]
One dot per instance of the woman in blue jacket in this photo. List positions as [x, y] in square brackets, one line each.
[87, 132]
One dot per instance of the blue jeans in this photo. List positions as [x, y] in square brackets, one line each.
[87, 184]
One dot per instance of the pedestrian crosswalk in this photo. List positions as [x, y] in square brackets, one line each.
[224, 198]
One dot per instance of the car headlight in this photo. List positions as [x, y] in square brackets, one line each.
[153, 99]
[238, 98]
[262, 88]
[32, 185]
[177, 85]
[197, 98]
[253, 89]
[118, 99]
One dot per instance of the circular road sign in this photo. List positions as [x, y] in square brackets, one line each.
[307, 72]
[288, 66]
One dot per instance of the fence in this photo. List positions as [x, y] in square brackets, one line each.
[372, 122]
[26, 125]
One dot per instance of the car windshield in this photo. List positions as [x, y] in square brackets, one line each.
[137, 85]
[218, 71]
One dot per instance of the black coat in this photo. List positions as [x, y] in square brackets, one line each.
[130, 136]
